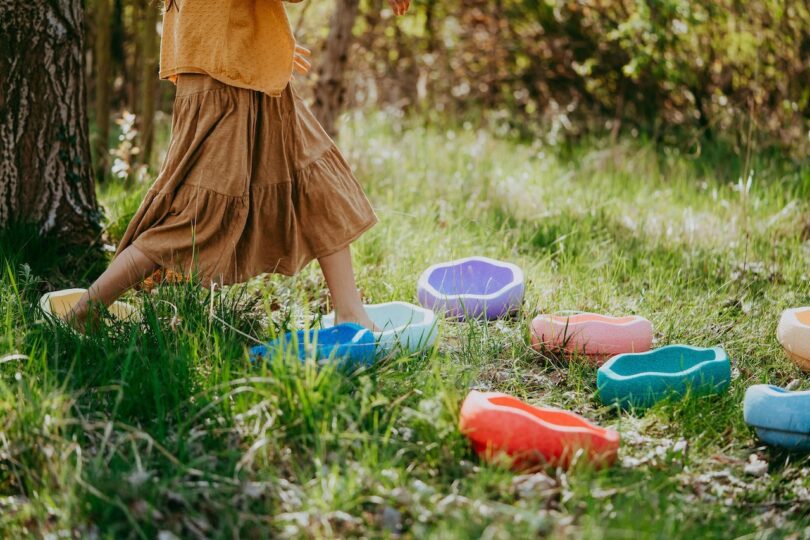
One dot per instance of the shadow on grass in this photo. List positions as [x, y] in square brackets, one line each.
[47, 256]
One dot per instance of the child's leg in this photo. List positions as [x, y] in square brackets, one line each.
[337, 269]
[130, 267]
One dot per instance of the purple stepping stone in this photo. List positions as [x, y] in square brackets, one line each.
[472, 288]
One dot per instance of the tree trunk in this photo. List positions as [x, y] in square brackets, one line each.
[45, 171]
[119, 59]
[330, 92]
[149, 76]
[102, 56]
[134, 58]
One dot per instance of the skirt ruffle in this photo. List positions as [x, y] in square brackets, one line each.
[251, 184]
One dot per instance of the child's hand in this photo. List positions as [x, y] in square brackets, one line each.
[400, 7]
[301, 62]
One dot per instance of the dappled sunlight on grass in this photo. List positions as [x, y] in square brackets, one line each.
[165, 425]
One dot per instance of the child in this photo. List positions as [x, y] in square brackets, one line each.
[251, 182]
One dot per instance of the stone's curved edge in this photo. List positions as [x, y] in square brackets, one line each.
[599, 338]
[413, 336]
[532, 435]
[473, 306]
[794, 336]
[347, 343]
[780, 417]
[645, 388]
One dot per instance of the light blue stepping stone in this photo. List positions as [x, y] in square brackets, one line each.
[780, 417]
[402, 326]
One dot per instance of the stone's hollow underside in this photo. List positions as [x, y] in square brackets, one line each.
[45, 169]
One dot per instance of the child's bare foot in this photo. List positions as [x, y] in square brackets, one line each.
[78, 319]
[360, 318]
[84, 316]
[337, 269]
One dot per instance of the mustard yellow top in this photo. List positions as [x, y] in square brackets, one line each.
[244, 43]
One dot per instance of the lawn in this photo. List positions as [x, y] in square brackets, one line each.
[166, 428]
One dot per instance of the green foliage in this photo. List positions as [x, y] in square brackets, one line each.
[23, 244]
[681, 71]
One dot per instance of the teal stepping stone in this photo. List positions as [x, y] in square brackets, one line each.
[641, 380]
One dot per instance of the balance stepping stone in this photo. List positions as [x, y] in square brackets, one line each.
[472, 288]
[499, 424]
[780, 417]
[793, 333]
[591, 334]
[61, 303]
[403, 326]
[349, 344]
[642, 379]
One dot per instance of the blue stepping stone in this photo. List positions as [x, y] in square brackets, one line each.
[349, 344]
[780, 417]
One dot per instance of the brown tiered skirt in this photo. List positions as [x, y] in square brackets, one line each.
[251, 184]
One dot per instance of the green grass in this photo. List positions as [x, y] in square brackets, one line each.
[166, 426]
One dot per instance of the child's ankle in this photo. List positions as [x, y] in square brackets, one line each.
[347, 316]
[360, 318]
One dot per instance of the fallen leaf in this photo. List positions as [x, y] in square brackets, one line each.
[756, 466]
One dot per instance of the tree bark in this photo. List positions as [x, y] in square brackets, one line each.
[45, 171]
[330, 91]
[149, 75]
[119, 58]
[133, 57]
[102, 56]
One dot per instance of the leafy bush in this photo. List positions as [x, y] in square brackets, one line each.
[676, 70]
